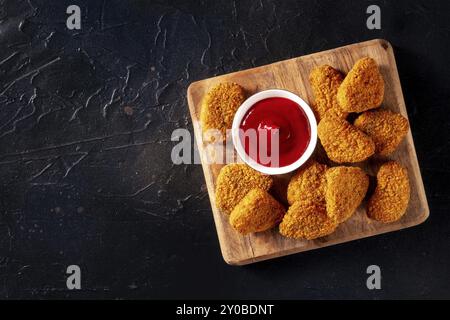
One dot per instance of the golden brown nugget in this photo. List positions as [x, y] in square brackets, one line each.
[257, 211]
[362, 88]
[325, 82]
[307, 220]
[234, 181]
[345, 189]
[344, 142]
[219, 106]
[386, 128]
[308, 183]
[390, 199]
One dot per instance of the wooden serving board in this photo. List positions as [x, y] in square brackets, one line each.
[293, 75]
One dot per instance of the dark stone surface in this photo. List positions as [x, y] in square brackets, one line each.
[85, 124]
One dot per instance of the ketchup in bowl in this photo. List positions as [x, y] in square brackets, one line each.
[284, 115]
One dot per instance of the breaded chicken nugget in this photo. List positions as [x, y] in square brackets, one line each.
[345, 189]
[386, 128]
[325, 82]
[362, 88]
[257, 211]
[307, 220]
[308, 183]
[234, 181]
[390, 199]
[343, 142]
[219, 106]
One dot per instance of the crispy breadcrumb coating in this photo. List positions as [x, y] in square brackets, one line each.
[362, 88]
[257, 211]
[308, 183]
[325, 82]
[234, 181]
[386, 128]
[390, 199]
[344, 142]
[307, 220]
[345, 189]
[219, 106]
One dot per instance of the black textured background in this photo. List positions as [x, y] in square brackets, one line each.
[85, 124]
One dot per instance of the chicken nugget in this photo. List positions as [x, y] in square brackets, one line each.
[234, 181]
[325, 82]
[386, 128]
[219, 106]
[308, 183]
[257, 211]
[307, 220]
[362, 88]
[345, 189]
[344, 142]
[390, 199]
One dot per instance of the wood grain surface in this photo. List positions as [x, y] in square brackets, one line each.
[292, 75]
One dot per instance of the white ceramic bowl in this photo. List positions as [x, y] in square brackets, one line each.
[242, 111]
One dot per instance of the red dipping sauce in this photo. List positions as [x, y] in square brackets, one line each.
[294, 132]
